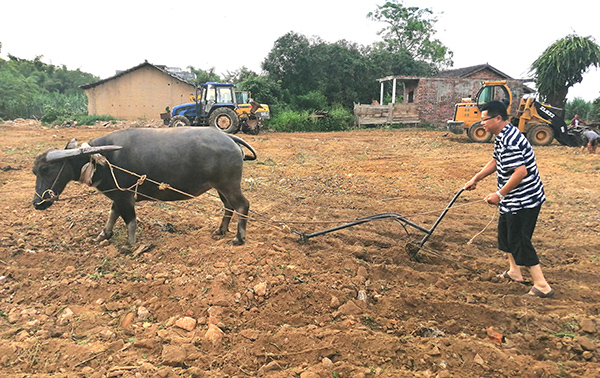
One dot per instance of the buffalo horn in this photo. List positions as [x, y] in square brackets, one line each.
[66, 154]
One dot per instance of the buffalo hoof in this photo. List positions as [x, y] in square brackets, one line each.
[219, 233]
[217, 236]
[126, 249]
[103, 236]
[237, 242]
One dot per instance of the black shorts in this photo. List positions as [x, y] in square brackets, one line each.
[514, 235]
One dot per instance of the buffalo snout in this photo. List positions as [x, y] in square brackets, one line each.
[44, 201]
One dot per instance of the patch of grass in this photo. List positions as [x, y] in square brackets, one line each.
[104, 268]
[568, 330]
[562, 334]
[165, 206]
[370, 322]
[268, 162]
[60, 116]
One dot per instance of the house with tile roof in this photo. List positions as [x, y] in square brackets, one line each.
[141, 92]
[431, 100]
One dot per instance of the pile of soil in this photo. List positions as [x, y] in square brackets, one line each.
[347, 304]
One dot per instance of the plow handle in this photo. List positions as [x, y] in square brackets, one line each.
[437, 222]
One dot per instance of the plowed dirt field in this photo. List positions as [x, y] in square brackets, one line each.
[348, 304]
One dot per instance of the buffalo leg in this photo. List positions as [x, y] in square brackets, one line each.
[125, 209]
[224, 226]
[235, 200]
[242, 206]
[107, 233]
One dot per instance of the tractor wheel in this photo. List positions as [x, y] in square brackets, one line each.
[540, 135]
[478, 134]
[225, 119]
[179, 121]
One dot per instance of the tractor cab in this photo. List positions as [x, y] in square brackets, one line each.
[214, 104]
[209, 95]
[495, 90]
[467, 114]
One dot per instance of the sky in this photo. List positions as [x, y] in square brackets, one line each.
[101, 37]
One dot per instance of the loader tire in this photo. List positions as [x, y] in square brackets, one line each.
[540, 135]
[179, 121]
[251, 126]
[225, 119]
[478, 134]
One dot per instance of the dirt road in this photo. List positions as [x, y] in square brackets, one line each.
[349, 304]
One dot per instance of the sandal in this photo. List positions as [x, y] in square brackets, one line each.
[506, 276]
[537, 293]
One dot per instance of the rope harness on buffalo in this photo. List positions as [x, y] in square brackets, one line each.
[51, 195]
[412, 248]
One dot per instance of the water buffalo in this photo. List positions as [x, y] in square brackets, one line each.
[189, 159]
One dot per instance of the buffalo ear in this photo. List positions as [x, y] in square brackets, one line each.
[72, 144]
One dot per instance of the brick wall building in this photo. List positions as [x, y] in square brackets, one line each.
[141, 92]
[435, 97]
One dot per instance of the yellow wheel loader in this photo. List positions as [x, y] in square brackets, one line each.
[539, 122]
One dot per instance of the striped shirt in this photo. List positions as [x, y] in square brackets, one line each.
[512, 150]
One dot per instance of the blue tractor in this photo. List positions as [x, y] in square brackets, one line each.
[214, 105]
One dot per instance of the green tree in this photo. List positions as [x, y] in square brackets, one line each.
[596, 110]
[581, 107]
[263, 90]
[562, 65]
[30, 88]
[288, 63]
[411, 29]
[16, 94]
[338, 73]
[203, 76]
[239, 75]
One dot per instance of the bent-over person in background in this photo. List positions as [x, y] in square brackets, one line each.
[592, 138]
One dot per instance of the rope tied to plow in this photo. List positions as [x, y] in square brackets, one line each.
[283, 226]
[139, 182]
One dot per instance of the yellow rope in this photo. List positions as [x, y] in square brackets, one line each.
[282, 225]
[486, 226]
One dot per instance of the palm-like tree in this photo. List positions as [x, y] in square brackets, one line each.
[562, 65]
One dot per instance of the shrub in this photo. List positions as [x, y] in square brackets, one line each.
[289, 120]
[337, 119]
[85, 119]
[311, 100]
[60, 116]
